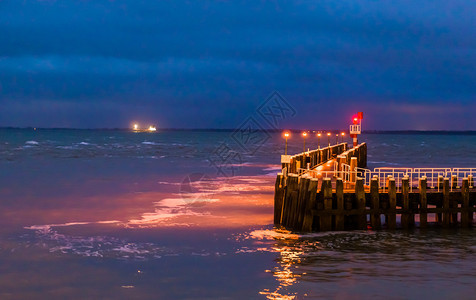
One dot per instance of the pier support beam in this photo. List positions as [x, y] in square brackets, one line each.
[360, 198]
[353, 169]
[446, 202]
[326, 193]
[454, 181]
[405, 203]
[423, 203]
[310, 205]
[375, 205]
[465, 203]
[392, 202]
[278, 198]
[340, 219]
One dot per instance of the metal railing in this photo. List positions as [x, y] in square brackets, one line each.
[434, 176]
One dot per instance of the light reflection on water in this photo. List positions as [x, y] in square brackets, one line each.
[324, 265]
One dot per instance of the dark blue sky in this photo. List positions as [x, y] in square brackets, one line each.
[209, 64]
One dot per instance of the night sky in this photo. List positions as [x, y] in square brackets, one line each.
[210, 64]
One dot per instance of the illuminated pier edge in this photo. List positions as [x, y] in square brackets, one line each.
[331, 189]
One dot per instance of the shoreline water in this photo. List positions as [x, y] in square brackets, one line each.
[225, 248]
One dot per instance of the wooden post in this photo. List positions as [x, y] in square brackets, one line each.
[310, 205]
[278, 198]
[454, 181]
[301, 206]
[353, 166]
[288, 201]
[298, 165]
[465, 203]
[326, 193]
[293, 203]
[392, 202]
[406, 203]
[440, 183]
[360, 196]
[471, 181]
[375, 205]
[340, 221]
[423, 203]
[446, 202]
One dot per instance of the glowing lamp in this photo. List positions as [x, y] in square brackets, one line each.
[286, 135]
[136, 126]
[152, 128]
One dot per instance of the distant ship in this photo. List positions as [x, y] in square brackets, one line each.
[151, 128]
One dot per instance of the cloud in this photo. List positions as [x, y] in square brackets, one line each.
[219, 59]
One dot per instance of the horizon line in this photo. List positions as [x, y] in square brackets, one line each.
[369, 131]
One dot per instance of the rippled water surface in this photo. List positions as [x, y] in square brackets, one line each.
[123, 215]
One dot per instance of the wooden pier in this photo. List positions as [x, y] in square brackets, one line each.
[344, 196]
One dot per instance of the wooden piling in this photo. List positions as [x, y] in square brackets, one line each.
[454, 181]
[465, 203]
[392, 203]
[288, 201]
[423, 203]
[303, 194]
[440, 183]
[326, 193]
[278, 198]
[340, 220]
[353, 168]
[360, 198]
[310, 205]
[375, 205]
[405, 203]
[446, 202]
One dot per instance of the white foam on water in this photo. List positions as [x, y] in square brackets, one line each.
[32, 143]
[94, 246]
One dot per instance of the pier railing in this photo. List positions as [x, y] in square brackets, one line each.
[434, 176]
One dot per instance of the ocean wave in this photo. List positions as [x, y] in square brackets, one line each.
[32, 143]
[48, 236]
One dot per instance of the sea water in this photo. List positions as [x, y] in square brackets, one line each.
[111, 214]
